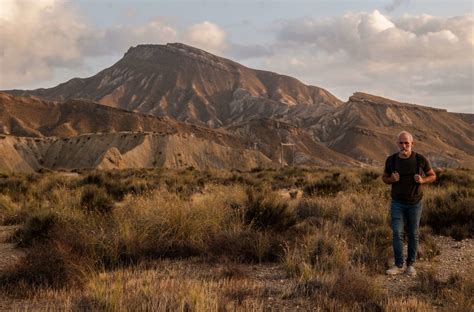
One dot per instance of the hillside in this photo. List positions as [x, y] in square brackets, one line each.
[80, 134]
[365, 128]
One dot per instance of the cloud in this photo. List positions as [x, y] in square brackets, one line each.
[36, 35]
[118, 39]
[373, 36]
[424, 57]
[41, 36]
[207, 36]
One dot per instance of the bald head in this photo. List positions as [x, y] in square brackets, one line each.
[406, 135]
[405, 144]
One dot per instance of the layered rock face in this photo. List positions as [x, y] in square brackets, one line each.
[80, 134]
[123, 150]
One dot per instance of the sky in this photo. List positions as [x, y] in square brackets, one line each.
[415, 51]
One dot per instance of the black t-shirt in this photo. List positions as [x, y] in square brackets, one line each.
[406, 190]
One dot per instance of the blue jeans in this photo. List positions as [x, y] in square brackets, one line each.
[400, 214]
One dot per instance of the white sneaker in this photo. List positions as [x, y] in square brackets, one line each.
[395, 270]
[410, 270]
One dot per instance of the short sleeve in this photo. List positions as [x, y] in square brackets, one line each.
[426, 164]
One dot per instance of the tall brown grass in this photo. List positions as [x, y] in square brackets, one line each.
[95, 231]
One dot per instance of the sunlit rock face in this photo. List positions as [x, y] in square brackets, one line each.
[192, 85]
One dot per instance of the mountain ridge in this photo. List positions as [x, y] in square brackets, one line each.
[190, 85]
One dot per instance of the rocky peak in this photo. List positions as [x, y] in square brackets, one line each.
[364, 98]
[153, 52]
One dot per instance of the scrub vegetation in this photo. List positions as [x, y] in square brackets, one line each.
[189, 240]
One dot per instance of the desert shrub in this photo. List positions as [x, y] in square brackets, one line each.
[428, 247]
[317, 210]
[429, 283]
[455, 292]
[363, 220]
[45, 266]
[15, 186]
[451, 213]
[328, 186]
[375, 250]
[247, 245]
[327, 253]
[454, 177]
[184, 188]
[268, 213]
[119, 189]
[95, 199]
[243, 179]
[96, 178]
[358, 291]
[10, 213]
[37, 229]
[368, 178]
[308, 288]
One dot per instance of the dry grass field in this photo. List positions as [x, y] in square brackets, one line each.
[264, 240]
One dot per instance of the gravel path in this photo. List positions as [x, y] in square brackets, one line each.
[456, 257]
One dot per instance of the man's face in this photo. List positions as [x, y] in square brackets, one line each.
[405, 144]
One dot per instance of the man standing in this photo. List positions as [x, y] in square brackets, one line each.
[406, 171]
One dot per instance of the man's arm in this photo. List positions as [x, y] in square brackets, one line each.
[430, 177]
[390, 178]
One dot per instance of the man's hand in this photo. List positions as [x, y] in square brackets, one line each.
[419, 179]
[395, 176]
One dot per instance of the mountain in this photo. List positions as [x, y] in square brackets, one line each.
[192, 85]
[154, 87]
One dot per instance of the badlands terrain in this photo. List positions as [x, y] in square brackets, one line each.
[166, 105]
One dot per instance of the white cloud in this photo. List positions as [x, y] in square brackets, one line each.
[419, 57]
[117, 40]
[41, 36]
[36, 35]
[207, 36]
[373, 36]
